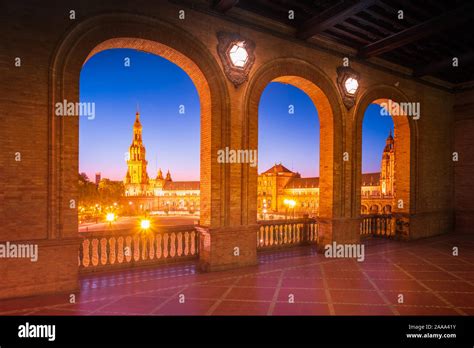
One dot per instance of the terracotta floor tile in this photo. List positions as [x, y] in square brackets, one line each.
[344, 274]
[420, 275]
[414, 298]
[189, 307]
[356, 297]
[350, 284]
[302, 295]
[259, 282]
[204, 291]
[459, 299]
[251, 294]
[457, 268]
[468, 311]
[294, 283]
[241, 308]
[392, 274]
[399, 285]
[345, 309]
[412, 310]
[58, 312]
[469, 275]
[446, 285]
[282, 308]
[134, 305]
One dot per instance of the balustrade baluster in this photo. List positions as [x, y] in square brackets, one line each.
[81, 254]
[144, 248]
[196, 242]
[158, 247]
[99, 251]
[106, 251]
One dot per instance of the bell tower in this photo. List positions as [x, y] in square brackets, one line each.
[388, 167]
[136, 179]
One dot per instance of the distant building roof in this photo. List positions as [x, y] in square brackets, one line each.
[370, 179]
[181, 185]
[297, 183]
[278, 168]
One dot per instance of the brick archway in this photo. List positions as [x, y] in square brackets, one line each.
[405, 134]
[153, 36]
[321, 90]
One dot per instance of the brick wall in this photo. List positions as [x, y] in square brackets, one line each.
[35, 192]
[464, 168]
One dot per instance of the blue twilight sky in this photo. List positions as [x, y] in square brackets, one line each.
[172, 139]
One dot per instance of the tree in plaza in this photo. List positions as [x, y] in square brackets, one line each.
[110, 191]
[88, 194]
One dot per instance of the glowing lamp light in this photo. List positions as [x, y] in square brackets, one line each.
[145, 224]
[110, 217]
[351, 85]
[238, 54]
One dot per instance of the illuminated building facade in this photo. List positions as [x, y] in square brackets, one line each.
[279, 187]
[159, 193]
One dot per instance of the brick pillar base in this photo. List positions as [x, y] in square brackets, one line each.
[56, 270]
[341, 231]
[423, 225]
[227, 247]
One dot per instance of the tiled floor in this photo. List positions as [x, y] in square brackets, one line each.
[396, 278]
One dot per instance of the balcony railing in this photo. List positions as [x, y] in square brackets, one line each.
[124, 248]
[286, 233]
[377, 225]
[107, 250]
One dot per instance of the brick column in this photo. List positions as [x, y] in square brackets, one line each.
[224, 248]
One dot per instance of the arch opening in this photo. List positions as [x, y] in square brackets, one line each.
[147, 35]
[288, 181]
[401, 161]
[320, 90]
[146, 100]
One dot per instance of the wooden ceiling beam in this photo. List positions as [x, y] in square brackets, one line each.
[224, 5]
[444, 64]
[332, 16]
[417, 32]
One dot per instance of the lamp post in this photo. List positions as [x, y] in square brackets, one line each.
[290, 204]
[110, 217]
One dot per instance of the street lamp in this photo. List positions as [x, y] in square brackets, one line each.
[290, 204]
[145, 224]
[348, 85]
[351, 85]
[110, 217]
[237, 55]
